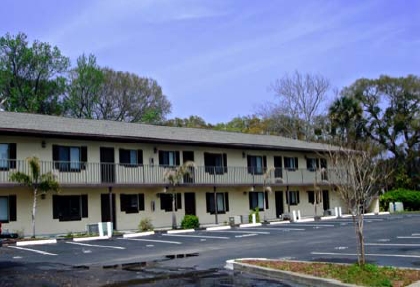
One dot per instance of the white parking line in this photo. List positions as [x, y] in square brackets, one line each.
[246, 235]
[314, 225]
[408, 237]
[274, 229]
[367, 254]
[151, 240]
[198, 236]
[33, 250]
[391, 244]
[234, 231]
[95, 245]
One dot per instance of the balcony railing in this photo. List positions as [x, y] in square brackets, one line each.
[77, 173]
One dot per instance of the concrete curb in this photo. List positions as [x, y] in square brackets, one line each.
[138, 234]
[80, 239]
[36, 242]
[305, 220]
[218, 228]
[330, 217]
[288, 276]
[180, 231]
[279, 222]
[250, 225]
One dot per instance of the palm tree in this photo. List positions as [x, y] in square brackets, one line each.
[37, 182]
[175, 175]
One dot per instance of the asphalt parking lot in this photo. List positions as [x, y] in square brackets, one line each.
[390, 240]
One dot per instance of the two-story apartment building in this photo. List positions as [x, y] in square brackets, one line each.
[114, 171]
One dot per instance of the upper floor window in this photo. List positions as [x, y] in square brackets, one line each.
[70, 207]
[7, 208]
[222, 202]
[131, 158]
[291, 163]
[256, 164]
[69, 158]
[132, 203]
[7, 156]
[312, 164]
[215, 163]
[168, 158]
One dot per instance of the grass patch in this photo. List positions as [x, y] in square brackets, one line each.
[367, 275]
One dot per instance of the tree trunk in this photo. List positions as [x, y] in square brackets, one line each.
[33, 212]
[358, 226]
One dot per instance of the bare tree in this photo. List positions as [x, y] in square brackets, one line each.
[357, 176]
[301, 97]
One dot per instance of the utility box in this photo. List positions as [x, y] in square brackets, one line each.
[92, 229]
[398, 206]
[235, 220]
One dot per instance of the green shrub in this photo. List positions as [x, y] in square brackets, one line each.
[190, 221]
[256, 211]
[410, 198]
[145, 224]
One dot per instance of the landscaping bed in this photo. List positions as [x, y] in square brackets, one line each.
[368, 275]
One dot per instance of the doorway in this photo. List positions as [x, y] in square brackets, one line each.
[107, 164]
[105, 209]
[189, 199]
[279, 203]
[325, 200]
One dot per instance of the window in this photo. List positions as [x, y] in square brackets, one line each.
[168, 158]
[70, 207]
[7, 156]
[294, 197]
[131, 158]
[222, 200]
[132, 203]
[256, 164]
[7, 208]
[166, 201]
[257, 199]
[311, 196]
[291, 163]
[69, 158]
[215, 163]
[312, 164]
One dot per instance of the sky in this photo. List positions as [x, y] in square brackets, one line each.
[217, 58]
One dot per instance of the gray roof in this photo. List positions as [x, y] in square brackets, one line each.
[62, 126]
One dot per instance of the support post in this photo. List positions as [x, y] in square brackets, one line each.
[215, 205]
[111, 210]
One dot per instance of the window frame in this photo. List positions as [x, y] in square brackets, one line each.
[59, 203]
[255, 169]
[312, 164]
[10, 160]
[167, 206]
[215, 163]
[11, 208]
[164, 155]
[210, 202]
[70, 165]
[291, 163]
[138, 157]
[258, 197]
[126, 202]
[294, 194]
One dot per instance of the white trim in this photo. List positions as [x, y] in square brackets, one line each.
[79, 239]
[36, 242]
[180, 231]
[218, 228]
[138, 234]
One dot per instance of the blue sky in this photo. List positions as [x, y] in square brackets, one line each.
[217, 58]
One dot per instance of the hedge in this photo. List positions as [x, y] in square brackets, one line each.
[410, 198]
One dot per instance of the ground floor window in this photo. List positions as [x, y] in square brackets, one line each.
[70, 207]
[222, 202]
[257, 199]
[132, 203]
[7, 208]
[166, 201]
[312, 195]
[292, 197]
